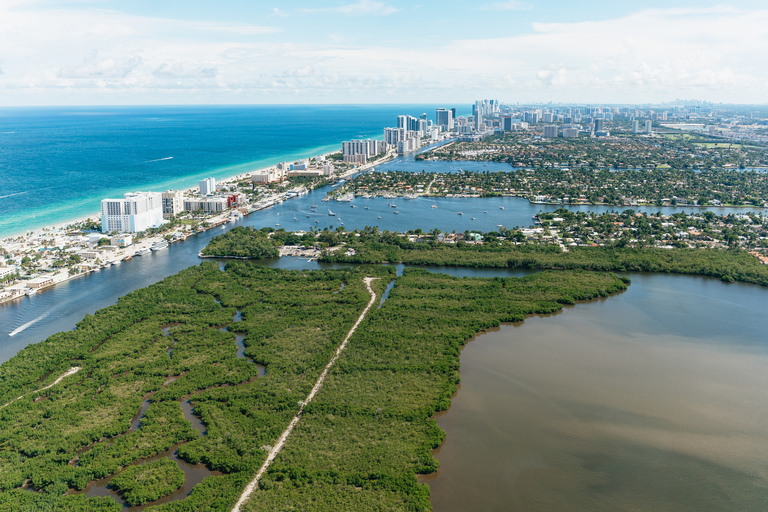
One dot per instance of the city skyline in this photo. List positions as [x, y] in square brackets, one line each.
[114, 52]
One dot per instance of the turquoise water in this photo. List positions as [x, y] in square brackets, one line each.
[58, 163]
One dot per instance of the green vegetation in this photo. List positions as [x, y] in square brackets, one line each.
[149, 482]
[660, 185]
[80, 429]
[374, 247]
[242, 242]
[678, 150]
[358, 445]
[369, 431]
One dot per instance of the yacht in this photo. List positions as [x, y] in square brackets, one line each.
[160, 244]
[143, 251]
[434, 206]
[313, 206]
[397, 212]
[331, 214]
[367, 208]
[461, 213]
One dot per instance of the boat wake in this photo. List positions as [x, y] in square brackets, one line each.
[158, 160]
[11, 195]
[28, 324]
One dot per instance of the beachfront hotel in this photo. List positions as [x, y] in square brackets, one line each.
[137, 211]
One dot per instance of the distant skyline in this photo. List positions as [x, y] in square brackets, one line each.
[124, 52]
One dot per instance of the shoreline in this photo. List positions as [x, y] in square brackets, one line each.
[20, 288]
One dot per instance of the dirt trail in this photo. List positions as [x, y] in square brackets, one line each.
[284, 437]
[66, 374]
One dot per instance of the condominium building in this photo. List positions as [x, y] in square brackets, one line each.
[207, 186]
[135, 212]
[444, 117]
[550, 131]
[205, 204]
[173, 203]
[359, 151]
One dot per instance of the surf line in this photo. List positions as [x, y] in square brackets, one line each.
[23, 327]
[284, 437]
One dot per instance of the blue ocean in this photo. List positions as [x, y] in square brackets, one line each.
[56, 164]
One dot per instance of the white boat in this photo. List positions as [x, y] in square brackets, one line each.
[434, 206]
[461, 213]
[313, 206]
[393, 205]
[331, 214]
[367, 208]
[160, 244]
[30, 291]
[397, 212]
[143, 251]
[379, 217]
[411, 196]
[502, 208]
[473, 218]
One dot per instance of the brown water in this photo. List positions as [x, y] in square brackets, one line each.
[652, 400]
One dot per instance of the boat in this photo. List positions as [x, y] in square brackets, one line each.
[352, 206]
[486, 211]
[367, 208]
[379, 217]
[434, 206]
[127, 258]
[313, 206]
[393, 205]
[294, 217]
[317, 221]
[397, 212]
[461, 213]
[411, 196]
[30, 291]
[502, 208]
[143, 251]
[160, 244]
[473, 218]
[307, 216]
[331, 214]
[277, 224]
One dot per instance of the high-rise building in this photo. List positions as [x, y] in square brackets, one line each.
[453, 113]
[599, 125]
[359, 151]
[635, 126]
[135, 212]
[444, 117]
[173, 203]
[649, 126]
[207, 186]
[478, 118]
[394, 135]
[550, 131]
[506, 123]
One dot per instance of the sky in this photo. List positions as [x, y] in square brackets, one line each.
[127, 52]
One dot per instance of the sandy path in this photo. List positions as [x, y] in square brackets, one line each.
[284, 437]
[66, 374]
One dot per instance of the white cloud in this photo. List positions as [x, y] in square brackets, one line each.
[508, 5]
[361, 8]
[93, 66]
[86, 55]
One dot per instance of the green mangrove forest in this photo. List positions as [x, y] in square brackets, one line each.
[358, 446]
